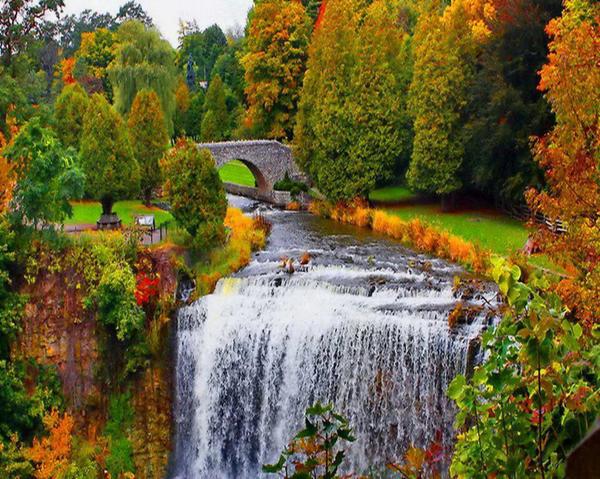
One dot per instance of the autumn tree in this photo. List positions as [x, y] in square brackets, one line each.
[69, 108]
[195, 192]
[215, 119]
[144, 60]
[182, 106]
[353, 127]
[52, 454]
[112, 172]
[149, 139]
[275, 61]
[570, 153]
[47, 176]
[98, 49]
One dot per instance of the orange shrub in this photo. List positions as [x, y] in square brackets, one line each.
[293, 206]
[52, 454]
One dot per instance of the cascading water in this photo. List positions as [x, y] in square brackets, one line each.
[363, 326]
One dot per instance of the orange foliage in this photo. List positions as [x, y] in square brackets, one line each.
[67, 66]
[293, 206]
[414, 233]
[7, 180]
[569, 154]
[321, 14]
[52, 453]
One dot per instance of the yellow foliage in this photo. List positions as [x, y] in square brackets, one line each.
[52, 454]
[415, 233]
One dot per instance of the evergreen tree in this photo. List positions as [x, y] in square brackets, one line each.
[182, 106]
[353, 125]
[69, 109]
[149, 139]
[144, 60]
[438, 93]
[195, 192]
[193, 117]
[112, 172]
[216, 119]
[277, 44]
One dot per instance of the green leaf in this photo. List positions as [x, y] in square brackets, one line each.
[456, 387]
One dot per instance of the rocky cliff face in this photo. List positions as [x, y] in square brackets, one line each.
[60, 329]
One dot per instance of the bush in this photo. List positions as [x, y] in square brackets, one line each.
[294, 187]
[117, 430]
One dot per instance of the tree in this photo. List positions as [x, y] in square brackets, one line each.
[505, 108]
[275, 60]
[47, 176]
[133, 11]
[97, 51]
[182, 106]
[144, 60]
[229, 68]
[21, 21]
[353, 127]
[149, 139]
[52, 454]
[195, 192]
[112, 172]
[570, 154]
[442, 73]
[69, 108]
[193, 117]
[215, 120]
[201, 47]
[71, 28]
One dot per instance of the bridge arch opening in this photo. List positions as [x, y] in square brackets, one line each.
[243, 172]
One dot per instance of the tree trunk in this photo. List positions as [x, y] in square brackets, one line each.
[107, 204]
[448, 202]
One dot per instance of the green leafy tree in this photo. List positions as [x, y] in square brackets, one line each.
[192, 120]
[112, 172]
[275, 61]
[353, 125]
[229, 68]
[202, 46]
[438, 92]
[195, 192]
[315, 452]
[69, 108]
[149, 139]
[47, 176]
[144, 61]
[216, 117]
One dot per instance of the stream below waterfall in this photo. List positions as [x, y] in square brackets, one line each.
[364, 326]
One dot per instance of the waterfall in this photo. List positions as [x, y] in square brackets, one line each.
[371, 337]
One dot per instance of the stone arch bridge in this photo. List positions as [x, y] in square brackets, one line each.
[268, 160]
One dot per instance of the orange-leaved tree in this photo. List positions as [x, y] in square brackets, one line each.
[570, 153]
[275, 61]
[52, 453]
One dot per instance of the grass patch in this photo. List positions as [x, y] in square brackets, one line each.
[500, 234]
[88, 212]
[236, 172]
[391, 194]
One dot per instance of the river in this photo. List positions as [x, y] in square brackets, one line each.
[363, 325]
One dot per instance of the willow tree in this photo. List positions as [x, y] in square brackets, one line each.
[144, 60]
[275, 61]
[112, 173]
[69, 109]
[149, 139]
[353, 126]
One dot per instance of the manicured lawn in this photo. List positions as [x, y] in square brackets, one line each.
[236, 172]
[390, 194]
[87, 212]
[498, 233]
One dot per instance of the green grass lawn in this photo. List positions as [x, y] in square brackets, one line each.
[391, 194]
[236, 172]
[88, 212]
[498, 233]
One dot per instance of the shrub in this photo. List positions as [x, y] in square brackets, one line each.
[118, 429]
[287, 184]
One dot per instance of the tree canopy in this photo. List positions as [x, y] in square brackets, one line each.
[112, 172]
